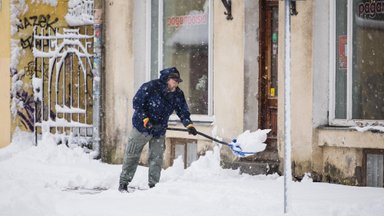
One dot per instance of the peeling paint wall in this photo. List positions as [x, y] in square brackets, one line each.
[343, 165]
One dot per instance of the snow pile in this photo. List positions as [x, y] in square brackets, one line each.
[54, 180]
[80, 12]
[253, 141]
[374, 128]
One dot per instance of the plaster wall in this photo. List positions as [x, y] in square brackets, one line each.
[350, 138]
[119, 78]
[320, 81]
[342, 165]
[228, 64]
[5, 38]
[343, 153]
[300, 86]
[251, 65]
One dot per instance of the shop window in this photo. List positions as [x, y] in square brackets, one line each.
[357, 56]
[180, 37]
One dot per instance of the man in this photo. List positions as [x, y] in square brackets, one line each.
[154, 102]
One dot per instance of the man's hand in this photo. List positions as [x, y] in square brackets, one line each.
[191, 130]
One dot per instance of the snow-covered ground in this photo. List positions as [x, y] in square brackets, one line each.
[50, 180]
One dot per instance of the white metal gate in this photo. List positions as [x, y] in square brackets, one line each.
[62, 84]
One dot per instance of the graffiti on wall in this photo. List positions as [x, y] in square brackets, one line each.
[27, 18]
[22, 101]
[42, 21]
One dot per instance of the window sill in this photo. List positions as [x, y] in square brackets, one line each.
[197, 119]
[349, 137]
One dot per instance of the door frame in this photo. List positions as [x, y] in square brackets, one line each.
[264, 44]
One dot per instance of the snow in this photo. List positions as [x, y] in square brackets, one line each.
[80, 12]
[15, 53]
[52, 3]
[37, 84]
[50, 180]
[16, 86]
[253, 141]
[17, 7]
[377, 128]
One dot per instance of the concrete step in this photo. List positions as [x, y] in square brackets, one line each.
[252, 167]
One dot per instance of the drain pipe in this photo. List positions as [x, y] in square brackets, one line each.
[97, 70]
[287, 105]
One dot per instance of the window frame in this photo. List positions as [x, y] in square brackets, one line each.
[348, 121]
[196, 117]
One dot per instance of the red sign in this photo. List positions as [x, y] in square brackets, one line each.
[176, 21]
[343, 52]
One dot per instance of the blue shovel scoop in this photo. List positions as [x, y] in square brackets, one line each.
[234, 146]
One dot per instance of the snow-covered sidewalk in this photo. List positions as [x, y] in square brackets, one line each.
[50, 180]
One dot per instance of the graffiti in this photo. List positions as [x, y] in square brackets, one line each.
[42, 21]
[23, 104]
[26, 117]
[31, 69]
[26, 43]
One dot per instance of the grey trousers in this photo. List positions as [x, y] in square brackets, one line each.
[136, 142]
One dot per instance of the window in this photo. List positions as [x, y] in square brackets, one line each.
[357, 53]
[186, 148]
[373, 164]
[180, 37]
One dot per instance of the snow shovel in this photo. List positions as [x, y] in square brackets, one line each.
[236, 149]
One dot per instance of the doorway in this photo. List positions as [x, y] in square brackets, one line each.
[268, 89]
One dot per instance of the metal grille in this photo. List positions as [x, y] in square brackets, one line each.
[62, 84]
[375, 170]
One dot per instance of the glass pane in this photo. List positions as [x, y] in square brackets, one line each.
[375, 170]
[368, 60]
[154, 38]
[191, 153]
[185, 46]
[341, 60]
[275, 31]
[180, 151]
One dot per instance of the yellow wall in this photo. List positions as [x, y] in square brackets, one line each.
[30, 15]
[301, 87]
[5, 36]
[228, 63]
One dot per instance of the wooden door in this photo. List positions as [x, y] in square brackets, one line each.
[268, 90]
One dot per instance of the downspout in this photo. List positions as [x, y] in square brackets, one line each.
[287, 106]
[97, 70]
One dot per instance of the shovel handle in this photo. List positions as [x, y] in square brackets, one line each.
[201, 134]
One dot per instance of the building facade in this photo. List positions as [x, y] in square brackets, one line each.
[5, 58]
[232, 62]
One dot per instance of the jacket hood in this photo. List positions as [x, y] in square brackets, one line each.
[165, 73]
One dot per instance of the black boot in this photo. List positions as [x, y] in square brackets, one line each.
[151, 185]
[123, 187]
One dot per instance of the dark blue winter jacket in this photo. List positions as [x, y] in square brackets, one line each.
[154, 101]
